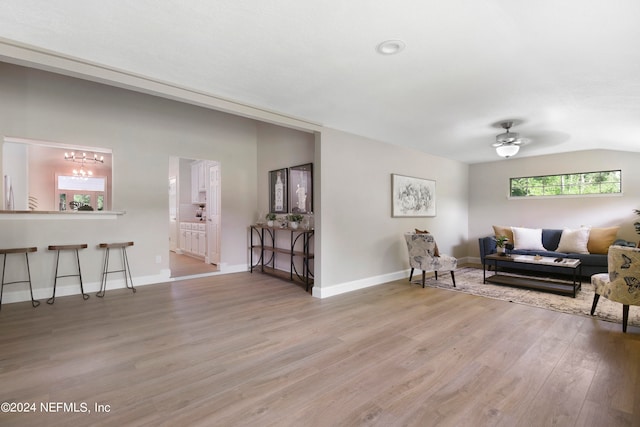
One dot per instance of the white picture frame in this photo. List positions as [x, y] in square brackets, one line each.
[412, 197]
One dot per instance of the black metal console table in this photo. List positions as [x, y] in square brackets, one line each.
[264, 240]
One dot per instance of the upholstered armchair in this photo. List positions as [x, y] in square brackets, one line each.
[422, 255]
[622, 283]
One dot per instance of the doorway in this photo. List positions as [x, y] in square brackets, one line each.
[194, 217]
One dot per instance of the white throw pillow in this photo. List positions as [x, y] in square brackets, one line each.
[527, 239]
[574, 241]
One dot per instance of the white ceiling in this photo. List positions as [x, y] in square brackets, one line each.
[568, 71]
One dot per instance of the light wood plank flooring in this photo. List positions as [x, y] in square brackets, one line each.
[185, 265]
[251, 350]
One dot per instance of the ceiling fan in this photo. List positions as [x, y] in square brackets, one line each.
[508, 143]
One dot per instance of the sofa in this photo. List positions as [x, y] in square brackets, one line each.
[589, 245]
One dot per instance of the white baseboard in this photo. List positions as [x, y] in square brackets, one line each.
[21, 295]
[341, 288]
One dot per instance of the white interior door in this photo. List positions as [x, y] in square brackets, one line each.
[213, 213]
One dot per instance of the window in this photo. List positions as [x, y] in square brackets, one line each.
[82, 193]
[604, 182]
[31, 169]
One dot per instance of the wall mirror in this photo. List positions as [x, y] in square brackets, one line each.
[48, 176]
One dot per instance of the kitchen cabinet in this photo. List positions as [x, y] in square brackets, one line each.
[198, 181]
[183, 236]
[193, 238]
[199, 246]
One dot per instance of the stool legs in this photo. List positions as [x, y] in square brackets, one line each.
[128, 281]
[55, 280]
[103, 282]
[34, 302]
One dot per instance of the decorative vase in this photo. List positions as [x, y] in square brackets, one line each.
[500, 250]
[293, 225]
[270, 223]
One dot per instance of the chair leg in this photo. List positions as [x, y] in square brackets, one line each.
[436, 275]
[423, 274]
[411, 274]
[625, 317]
[453, 279]
[596, 297]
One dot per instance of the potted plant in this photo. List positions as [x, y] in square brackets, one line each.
[501, 242]
[294, 220]
[270, 217]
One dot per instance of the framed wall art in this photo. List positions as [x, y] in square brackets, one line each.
[278, 190]
[301, 188]
[412, 197]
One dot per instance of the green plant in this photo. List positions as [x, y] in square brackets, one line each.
[501, 241]
[294, 217]
[270, 216]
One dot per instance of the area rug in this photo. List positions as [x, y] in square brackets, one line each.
[469, 280]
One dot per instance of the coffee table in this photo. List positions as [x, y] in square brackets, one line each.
[538, 283]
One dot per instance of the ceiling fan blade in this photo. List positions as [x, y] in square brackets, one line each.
[497, 144]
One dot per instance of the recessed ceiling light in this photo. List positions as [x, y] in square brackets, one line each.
[390, 47]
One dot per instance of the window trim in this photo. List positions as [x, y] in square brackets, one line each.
[510, 196]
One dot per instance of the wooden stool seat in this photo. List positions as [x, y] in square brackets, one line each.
[26, 252]
[125, 266]
[66, 247]
[17, 250]
[59, 248]
[115, 245]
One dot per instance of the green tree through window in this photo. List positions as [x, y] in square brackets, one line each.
[604, 182]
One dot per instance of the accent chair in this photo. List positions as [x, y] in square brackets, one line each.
[622, 282]
[421, 247]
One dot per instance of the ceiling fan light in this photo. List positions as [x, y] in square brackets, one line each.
[507, 150]
[507, 137]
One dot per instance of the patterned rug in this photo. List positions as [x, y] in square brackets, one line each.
[469, 280]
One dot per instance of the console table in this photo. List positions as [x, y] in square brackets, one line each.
[558, 287]
[295, 245]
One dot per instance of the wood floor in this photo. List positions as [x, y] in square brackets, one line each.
[185, 265]
[251, 350]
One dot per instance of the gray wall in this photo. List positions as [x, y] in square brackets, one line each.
[279, 148]
[143, 132]
[489, 189]
[361, 244]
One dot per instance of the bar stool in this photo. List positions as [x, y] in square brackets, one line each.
[24, 251]
[125, 266]
[59, 248]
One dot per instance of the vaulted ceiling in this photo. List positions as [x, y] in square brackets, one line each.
[567, 72]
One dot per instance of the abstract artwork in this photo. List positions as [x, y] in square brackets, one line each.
[412, 197]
